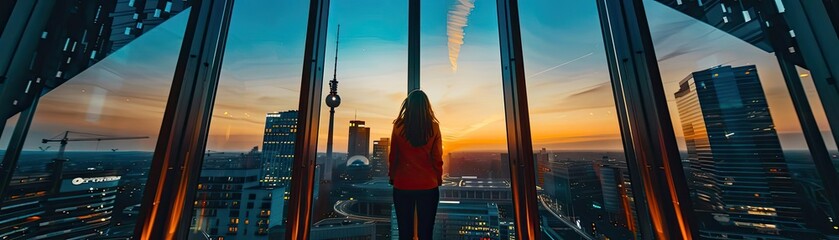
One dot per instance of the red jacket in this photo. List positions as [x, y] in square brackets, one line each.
[416, 168]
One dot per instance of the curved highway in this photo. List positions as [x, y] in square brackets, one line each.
[342, 207]
[571, 225]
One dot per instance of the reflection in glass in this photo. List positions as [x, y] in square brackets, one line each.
[583, 184]
[71, 36]
[749, 169]
[86, 156]
[242, 191]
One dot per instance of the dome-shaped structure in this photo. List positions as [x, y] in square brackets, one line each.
[360, 159]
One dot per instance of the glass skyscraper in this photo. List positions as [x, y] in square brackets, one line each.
[737, 169]
[278, 148]
[379, 160]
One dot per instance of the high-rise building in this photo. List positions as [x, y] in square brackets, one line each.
[359, 140]
[379, 160]
[278, 148]
[230, 203]
[22, 207]
[59, 204]
[737, 169]
[617, 196]
[575, 186]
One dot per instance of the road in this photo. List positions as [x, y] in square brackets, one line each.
[571, 225]
[342, 207]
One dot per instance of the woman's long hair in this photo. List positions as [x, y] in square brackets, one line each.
[416, 118]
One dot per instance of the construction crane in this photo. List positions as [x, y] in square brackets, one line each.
[97, 138]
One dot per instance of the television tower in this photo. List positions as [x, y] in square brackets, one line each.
[333, 101]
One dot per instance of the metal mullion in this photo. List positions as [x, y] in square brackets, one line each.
[816, 44]
[520, 147]
[640, 203]
[305, 147]
[40, 16]
[649, 141]
[12, 152]
[176, 165]
[413, 45]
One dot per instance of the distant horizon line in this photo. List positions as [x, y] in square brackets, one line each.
[476, 151]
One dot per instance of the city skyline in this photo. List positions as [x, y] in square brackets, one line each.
[569, 88]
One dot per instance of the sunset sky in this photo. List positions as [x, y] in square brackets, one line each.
[570, 97]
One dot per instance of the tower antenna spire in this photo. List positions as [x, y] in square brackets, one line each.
[333, 101]
[333, 88]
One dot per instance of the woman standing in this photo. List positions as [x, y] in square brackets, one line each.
[416, 166]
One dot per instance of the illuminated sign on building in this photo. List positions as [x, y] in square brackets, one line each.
[80, 181]
[88, 183]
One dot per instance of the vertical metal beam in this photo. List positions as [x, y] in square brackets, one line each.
[649, 140]
[812, 135]
[10, 158]
[413, 45]
[817, 41]
[32, 67]
[170, 189]
[20, 40]
[305, 147]
[519, 145]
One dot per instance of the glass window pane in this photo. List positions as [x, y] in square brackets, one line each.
[353, 197]
[582, 178]
[461, 73]
[750, 171]
[110, 115]
[243, 189]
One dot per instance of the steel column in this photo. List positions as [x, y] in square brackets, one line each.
[31, 68]
[305, 147]
[812, 135]
[519, 145]
[817, 40]
[649, 141]
[413, 45]
[20, 40]
[10, 158]
[176, 165]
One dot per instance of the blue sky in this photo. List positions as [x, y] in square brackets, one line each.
[570, 98]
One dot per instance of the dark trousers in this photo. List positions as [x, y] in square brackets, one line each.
[425, 202]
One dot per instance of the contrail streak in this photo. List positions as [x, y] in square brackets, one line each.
[458, 15]
[560, 65]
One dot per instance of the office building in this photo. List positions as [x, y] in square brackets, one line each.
[81, 195]
[278, 148]
[737, 169]
[231, 203]
[618, 204]
[379, 159]
[574, 185]
[22, 209]
[359, 140]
